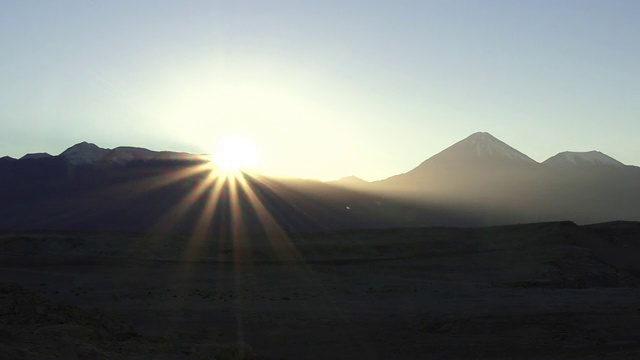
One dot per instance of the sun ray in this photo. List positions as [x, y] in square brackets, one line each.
[285, 250]
[178, 211]
[166, 179]
[202, 229]
[239, 192]
[284, 194]
[145, 184]
[221, 196]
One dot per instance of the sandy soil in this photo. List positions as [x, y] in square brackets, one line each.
[539, 291]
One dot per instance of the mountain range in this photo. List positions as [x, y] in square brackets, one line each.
[499, 183]
[477, 181]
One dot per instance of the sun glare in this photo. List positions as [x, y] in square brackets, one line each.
[235, 153]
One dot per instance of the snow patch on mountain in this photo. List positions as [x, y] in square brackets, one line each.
[84, 153]
[124, 154]
[483, 144]
[587, 157]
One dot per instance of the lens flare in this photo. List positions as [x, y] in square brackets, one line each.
[213, 200]
[235, 153]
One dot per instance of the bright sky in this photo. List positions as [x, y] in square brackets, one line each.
[324, 89]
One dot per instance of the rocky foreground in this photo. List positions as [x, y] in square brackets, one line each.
[32, 327]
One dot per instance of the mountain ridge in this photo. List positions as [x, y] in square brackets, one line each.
[483, 144]
[578, 158]
[478, 181]
[480, 145]
[479, 154]
[84, 153]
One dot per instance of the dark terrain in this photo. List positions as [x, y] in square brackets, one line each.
[478, 181]
[537, 291]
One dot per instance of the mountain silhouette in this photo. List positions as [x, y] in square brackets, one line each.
[88, 153]
[589, 158]
[474, 164]
[477, 181]
[89, 188]
[479, 174]
[500, 185]
[350, 182]
[36, 156]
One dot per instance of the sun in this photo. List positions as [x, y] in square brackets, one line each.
[235, 153]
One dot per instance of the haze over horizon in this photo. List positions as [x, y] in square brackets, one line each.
[324, 90]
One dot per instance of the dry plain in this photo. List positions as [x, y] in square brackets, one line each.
[538, 291]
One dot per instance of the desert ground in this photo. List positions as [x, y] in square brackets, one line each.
[537, 291]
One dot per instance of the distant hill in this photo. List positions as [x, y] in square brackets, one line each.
[349, 182]
[589, 158]
[135, 189]
[502, 185]
[88, 153]
[36, 156]
[477, 181]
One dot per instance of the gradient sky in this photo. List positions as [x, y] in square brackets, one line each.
[327, 88]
